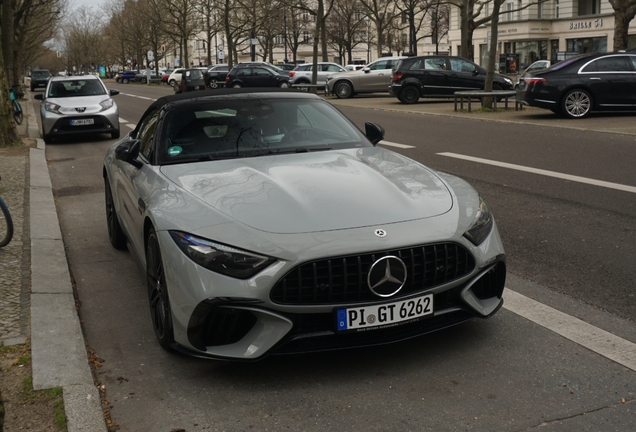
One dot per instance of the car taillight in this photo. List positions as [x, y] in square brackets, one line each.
[291, 74]
[534, 80]
[227, 79]
[397, 76]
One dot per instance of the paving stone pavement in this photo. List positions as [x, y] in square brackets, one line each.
[14, 258]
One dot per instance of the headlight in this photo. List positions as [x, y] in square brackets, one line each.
[54, 108]
[106, 104]
[220, 258]
[508, 80]
[481, 226]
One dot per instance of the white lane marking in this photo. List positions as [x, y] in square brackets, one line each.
[131, 125]
[593, 338]
[138, 97]
[601, 183]
[121, 120]
[392, 144]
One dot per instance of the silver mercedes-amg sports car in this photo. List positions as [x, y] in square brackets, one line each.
[267, 223]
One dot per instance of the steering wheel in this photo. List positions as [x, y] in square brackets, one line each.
[302, 134]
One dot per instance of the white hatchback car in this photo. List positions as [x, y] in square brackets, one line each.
[78, 105]
[175, 77]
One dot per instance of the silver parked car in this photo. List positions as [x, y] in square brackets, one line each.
[375, 77]
[303, 73]
[78, 105]
[267, 223]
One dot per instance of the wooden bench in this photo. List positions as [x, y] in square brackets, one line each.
[495, 94]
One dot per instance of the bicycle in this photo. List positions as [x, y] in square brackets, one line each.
[6, 224]
[17, 109]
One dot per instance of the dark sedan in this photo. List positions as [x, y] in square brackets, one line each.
[191, 80]
[582, 84]
[256, 75]
[440, 76]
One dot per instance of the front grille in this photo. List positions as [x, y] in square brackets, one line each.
[344, 279]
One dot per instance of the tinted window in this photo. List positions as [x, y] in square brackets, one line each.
[633, 59]
[609, 64]
[244, 72]
[435, 63]
[225, 129]
[334, 68]
[40, 74]
[262, 72]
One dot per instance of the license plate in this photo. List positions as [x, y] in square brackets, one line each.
[196, 87]
[384, 315]
[82, 122]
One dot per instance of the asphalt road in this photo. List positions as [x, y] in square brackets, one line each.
[570, 245]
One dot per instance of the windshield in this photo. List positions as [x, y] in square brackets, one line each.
[75, 88]
[40, 74]
[229, 129]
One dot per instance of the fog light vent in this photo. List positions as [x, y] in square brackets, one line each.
[491, 284]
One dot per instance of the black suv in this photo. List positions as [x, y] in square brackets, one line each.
[440, 77]
[216, 76]
[40, 78]
[256, 75]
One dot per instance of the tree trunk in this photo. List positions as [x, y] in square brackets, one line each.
[492, 52]
[8, 133]
[467, 28]
[8, 37]
[621, 25]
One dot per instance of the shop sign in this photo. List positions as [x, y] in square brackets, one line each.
[586, 24]
[508, 31]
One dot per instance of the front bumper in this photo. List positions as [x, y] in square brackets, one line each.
[219, 317]
[60, 124]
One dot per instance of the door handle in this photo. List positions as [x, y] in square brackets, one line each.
[592, 78]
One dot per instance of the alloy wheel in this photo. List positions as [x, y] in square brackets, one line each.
[577, 104]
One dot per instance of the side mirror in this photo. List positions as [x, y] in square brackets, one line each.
[366, 70]
[476, 72]
[128, 152]
[114, 92]
[373, 132]
[39, 96]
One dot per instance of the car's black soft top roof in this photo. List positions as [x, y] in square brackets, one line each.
[211, 94]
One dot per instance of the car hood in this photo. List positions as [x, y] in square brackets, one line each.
[68, 105]
[320, 191]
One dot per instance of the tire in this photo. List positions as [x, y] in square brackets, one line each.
[17, 112]
[124, 80]
[576, 104]
[237, 85]
[284, 85]
[158, 294]
[171, 83]
[213, 84]
[343, 90]
[115, 232]
[144, 80]
[409, 95]
[6, 224]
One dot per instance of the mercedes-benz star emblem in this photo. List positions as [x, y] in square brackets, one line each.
[387, 276]
[380, 233]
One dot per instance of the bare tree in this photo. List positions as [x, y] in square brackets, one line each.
[624, 12]
[182, 24]
[83, 40]
[380, 12]
[346, 28]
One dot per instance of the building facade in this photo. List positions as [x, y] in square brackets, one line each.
[551, 30]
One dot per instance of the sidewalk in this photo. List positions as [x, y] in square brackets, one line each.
[36, 294]
[35, 282]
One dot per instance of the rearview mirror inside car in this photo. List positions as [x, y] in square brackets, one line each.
[373, 132]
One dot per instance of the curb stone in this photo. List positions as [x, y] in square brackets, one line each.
[58, 350]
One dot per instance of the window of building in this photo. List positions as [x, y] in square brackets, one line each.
[554, 49]
[519, 11]
[404, 18]
[589, 7]
[531, 51]
[556, 8]
[508, 14]
[587, 45]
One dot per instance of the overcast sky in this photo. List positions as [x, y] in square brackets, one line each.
[95, 4]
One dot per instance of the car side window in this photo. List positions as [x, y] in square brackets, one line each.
[334, 68]
[460, 65]
[609, 64]
[262, 72]
[147, 133]
[380, 65]
[435, 64]
[633, 59]
[244, 72]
